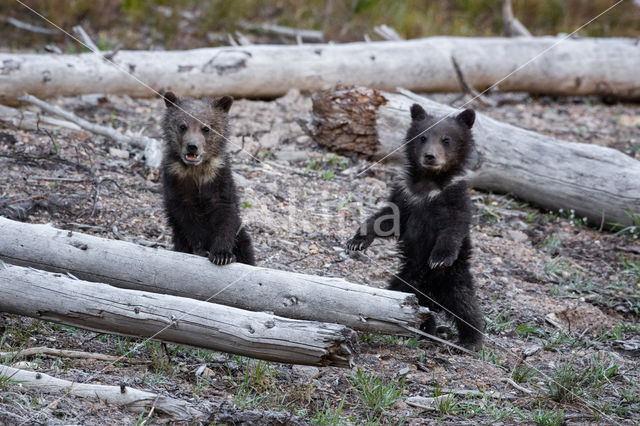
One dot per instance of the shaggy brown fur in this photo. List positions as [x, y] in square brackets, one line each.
[200, 197]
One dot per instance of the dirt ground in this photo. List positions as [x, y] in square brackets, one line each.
[561, 299]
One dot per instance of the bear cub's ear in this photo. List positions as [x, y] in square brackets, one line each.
[418, 113]
[467, 117]
[224, 103]
[170, 99]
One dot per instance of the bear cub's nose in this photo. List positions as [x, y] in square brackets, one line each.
[430, 157]
[192, 148]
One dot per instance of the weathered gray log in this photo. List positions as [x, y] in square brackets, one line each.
[134, 399]
[599, 183]
[100, 307]
[29, 120]
[557, 66]
[287, 294]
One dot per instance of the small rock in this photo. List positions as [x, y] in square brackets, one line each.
[530, 350]
[517, 236]
[119, 153]
[204, 371]
[305, 372]
[403, 372]
[426, 403]
[630, 120]
[292, 156]
[240, 181]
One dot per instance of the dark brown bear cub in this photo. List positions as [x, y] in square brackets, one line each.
[430, 212]
[200, 196]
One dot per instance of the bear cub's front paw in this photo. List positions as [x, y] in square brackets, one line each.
[222, 257]
[441, 259]
[359, 242]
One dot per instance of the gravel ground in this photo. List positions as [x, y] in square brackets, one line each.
[561, 300]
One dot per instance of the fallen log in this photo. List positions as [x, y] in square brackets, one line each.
[599, 183]
[29, 120]
[548, 65]
[99, 307]
[134, 399]
[152, 147]
[286, 294]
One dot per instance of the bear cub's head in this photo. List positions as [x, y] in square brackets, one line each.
[439, 146]
[196, 130]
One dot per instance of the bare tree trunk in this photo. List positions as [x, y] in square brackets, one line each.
[597, 182]
[553, 66]
[134, 399]
[287, 294]
[100, 307]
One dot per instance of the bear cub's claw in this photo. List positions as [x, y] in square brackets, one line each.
[359, 242]
[222, 257]
[441, 260]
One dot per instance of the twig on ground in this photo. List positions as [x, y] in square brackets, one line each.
[65, 353]
[511, 26]
[152, 147]
[467, 88]
[387, 33]
[86, 40]
[29, 27]
[439, 340]
[308, 35]
[517, 386]
[133, 399]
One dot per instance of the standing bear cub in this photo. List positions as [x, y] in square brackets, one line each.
[199, 193]
[430, 212]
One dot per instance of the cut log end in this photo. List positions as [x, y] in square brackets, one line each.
[344, 119]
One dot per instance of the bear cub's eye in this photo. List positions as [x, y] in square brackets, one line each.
[446, 141]
[423, 139]
[182, 128]
[206, 129]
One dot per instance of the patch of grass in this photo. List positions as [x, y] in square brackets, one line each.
[257, 387]
[413, 342]
[548, 418]
[531, 217]
[160, 362]
[630, 231]
[329, 415]
[6, 381]
[498, 321]
[522, 374]
[340, 162]
[568, 382]
[311, 165]
[379, 338]
[328, 174]
[526, 329]
[246, 204]
[197, 387]
[448, 405]
[488, 355]
[631, 269]
[552, 242]
[374, 392]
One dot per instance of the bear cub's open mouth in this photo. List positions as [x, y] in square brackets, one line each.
[193, 159]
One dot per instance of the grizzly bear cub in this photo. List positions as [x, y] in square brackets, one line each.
[200, 196]
[430, 213]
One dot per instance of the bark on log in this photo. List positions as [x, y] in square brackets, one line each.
[95, 306]
[287, 294]
[567, 67]
[134, 399]
[597, 182]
